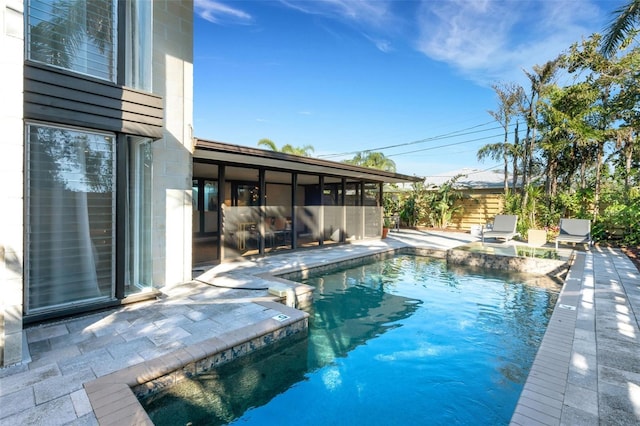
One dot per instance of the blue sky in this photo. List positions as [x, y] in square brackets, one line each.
[355, 75]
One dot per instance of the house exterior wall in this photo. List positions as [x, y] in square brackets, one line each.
[173, 80]
[11, 183]
[166, 115]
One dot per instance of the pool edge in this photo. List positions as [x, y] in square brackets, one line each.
[114, 401]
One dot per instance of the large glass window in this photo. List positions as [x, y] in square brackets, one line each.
[139, 211]
[78, 35]
[70, 217]
[139, 48]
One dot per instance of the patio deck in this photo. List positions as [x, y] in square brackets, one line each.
[587, 370]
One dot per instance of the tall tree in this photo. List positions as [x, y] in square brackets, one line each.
[510, 96]
[540, 81]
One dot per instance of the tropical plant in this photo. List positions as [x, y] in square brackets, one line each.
[373, 160]
[442, 203]
[622, 29]
[303, 151]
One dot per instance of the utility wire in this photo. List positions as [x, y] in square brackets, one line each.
[445, 145]
[462, 132]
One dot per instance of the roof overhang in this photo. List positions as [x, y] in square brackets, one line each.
[224, 153]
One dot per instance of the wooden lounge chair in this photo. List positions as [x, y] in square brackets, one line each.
[504, 227]
[574, 231]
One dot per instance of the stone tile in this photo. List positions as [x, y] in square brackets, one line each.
[620, 357]
[81, 403]
[26, 379]
[73, 338]
[82, 325]
[56, 412]
[122, 350]
[572, 416]
[621, 400]
[16, 402]
[582, 398]
[168, 335]
[43, 332]
[86, 420]
[110, 365]
[55, 355]
[85, 361]
[160, 350]
[618, 377]
[99, 342]
[58, 386]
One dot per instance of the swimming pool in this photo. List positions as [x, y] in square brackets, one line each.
[405, 340]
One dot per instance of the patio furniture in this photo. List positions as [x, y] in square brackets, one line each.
[574, 231]
[504, 227]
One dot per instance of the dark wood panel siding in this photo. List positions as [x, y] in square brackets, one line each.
[61, 97]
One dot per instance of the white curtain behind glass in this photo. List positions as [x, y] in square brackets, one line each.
[70, 216]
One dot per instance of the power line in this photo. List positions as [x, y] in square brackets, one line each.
[446, 145]
[462, 132]
[466, 174]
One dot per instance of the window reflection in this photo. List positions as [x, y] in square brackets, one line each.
[77, 35]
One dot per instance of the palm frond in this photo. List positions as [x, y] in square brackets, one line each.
[624, 23]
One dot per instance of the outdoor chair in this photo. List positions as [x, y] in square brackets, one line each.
[504, 227]
[574, 231]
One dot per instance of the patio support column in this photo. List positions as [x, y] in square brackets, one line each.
[381, 205]
[343, 219]
[294, 204]
[363, 216]
[262, 198]
[221, 195]
[321, 210]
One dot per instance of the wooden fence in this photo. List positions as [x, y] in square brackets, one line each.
[478, 208]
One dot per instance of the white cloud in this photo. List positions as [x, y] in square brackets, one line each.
[366, 16]
[371, 13]
[493, 40]
[218, 12]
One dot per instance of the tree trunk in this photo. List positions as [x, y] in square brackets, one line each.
[506, 173]
[596, 198]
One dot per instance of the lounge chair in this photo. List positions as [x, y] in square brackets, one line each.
[504, 227]
[574, 231]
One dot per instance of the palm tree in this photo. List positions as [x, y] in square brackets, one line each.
[510, 97]
[497, 151]
[303, 151]
[622, 28]
[373, 160]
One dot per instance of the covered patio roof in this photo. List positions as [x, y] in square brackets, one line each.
[254, 158]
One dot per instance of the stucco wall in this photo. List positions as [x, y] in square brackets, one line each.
[11, 181]
[173, 79]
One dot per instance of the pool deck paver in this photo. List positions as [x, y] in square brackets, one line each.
[587, 370]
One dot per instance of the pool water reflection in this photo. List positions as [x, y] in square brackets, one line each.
[406, 340]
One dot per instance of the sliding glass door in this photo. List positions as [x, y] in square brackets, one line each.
[139, 265]
[70, 217]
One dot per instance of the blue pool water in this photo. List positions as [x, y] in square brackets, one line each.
[406, 340]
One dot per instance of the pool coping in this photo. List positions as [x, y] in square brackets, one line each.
[114, 397]
[542, 399]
